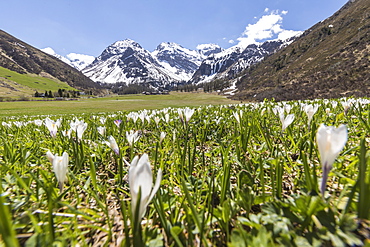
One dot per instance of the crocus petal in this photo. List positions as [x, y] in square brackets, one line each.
[50, 156]
[156, 185]
[287, 121]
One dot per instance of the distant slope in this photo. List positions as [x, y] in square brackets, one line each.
[22, 58]
[331, 59]
[15, 84]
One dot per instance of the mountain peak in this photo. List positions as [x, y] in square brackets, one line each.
[125, 43]
[169, 46]
[208, 49]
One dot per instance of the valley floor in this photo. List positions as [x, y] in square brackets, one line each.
[111, 104]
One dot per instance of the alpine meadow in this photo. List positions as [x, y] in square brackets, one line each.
[262, 142]
[255, 174]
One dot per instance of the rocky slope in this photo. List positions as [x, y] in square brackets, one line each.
[331, 59]
[21, 57]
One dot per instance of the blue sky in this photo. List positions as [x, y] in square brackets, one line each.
[88, 27]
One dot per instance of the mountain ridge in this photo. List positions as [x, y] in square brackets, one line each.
[170, 64]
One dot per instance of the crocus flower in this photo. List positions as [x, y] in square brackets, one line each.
[167, 118]
[102, 120]
[287, 121]
[60, 165]
[132, 137]
[113, 144]
[185, 114]
[162, 136]
[141, 179]
[117, 122]
[101, 130]
[38, 122]
[310, 110]
[80, 130]
[157, 120]
[67, 133]
[238, 115]
[133, 115]
[330, 141]
[346, 105]
[188, 113]
[287, 108]
[52, 126]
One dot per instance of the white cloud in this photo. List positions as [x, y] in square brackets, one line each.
[231, 41]
[267, 27]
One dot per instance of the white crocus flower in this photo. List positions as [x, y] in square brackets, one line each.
[113, 144]
[101, 130]
[162, 136]
[67, 133]
[141, 179]
[287, 121]
[132, 137]
[157, 120]
[52, 126]
[167, 118]
[287, 108]
[330, 141]
[188, 114]
[8, 125]
[102, 120]
[185, 114]
[310, 110]
[50, 156]
[80, 130]
[38, 122]
[346, 105]
[236, 116]
[60, 166]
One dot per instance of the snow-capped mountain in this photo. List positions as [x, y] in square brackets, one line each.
[233, 60]
[127, 62]
[50, 51]
[180, 62]
[78, 61]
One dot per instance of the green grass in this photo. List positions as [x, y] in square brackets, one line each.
[111, 104]
[27, 83]
[230, 175]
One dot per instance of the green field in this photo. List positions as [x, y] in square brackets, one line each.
[15, 84]
[111, 104]
[289, 174]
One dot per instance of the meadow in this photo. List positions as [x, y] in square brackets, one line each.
[253, 174]
[110, 104]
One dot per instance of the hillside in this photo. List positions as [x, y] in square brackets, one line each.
[23, 59]
[329, 60]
